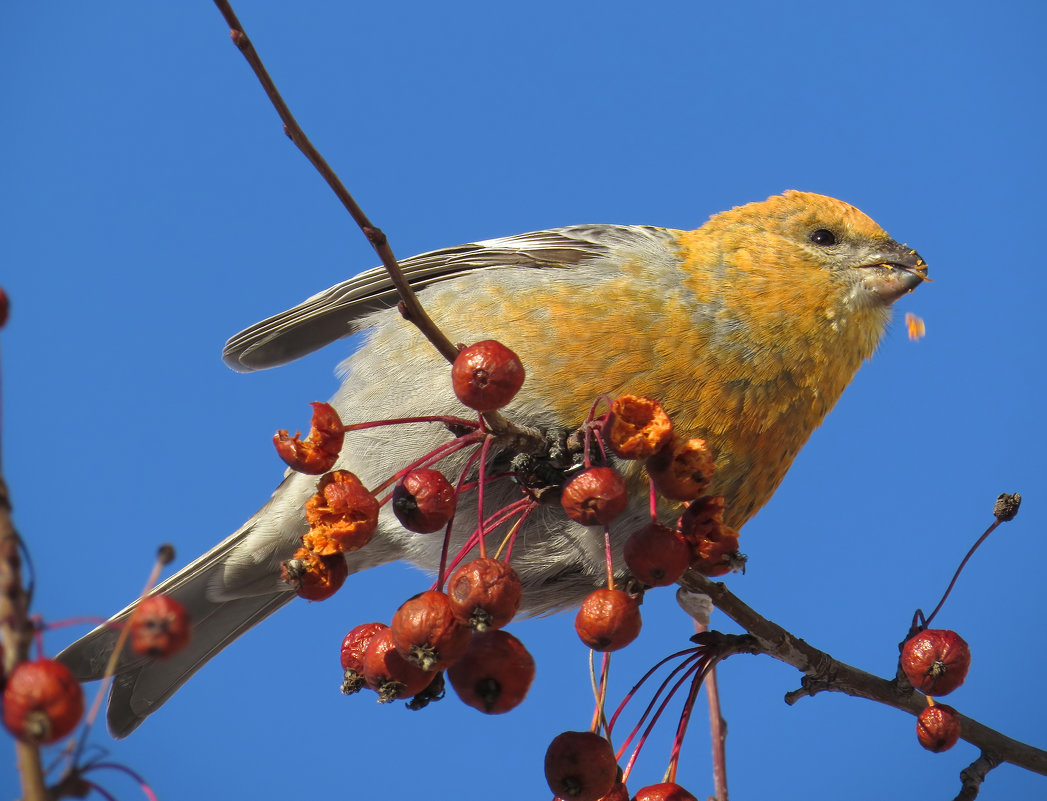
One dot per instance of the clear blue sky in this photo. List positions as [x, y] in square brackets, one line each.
[152, 208]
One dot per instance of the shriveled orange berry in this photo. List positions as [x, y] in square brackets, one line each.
[637, 427]
[42, 701]
[714, 545]
[494, 674]
[342, 515]
[608, 620]
[424, 501]
[318, 453]
[426, 632]
[484, 593]
[666, 791]
[657, 555]
[314, 577]
[389, 673]
[160, 627]
[938, 728]
[683, 470]
[487, 375]
[595, 497]
[580, 766]
[354, 646]
[936, 661]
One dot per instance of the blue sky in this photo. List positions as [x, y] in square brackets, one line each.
[153, 208]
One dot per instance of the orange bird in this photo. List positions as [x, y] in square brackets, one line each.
[746, 329]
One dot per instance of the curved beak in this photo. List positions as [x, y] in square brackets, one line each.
[892, 270]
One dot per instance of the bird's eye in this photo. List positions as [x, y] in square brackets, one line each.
[823, 237]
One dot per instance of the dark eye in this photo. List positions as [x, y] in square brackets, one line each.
[823, 237]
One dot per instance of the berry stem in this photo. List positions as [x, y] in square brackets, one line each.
[510, 538]
[956, 575]
[607, 556]
[431, 458]
[440, 576]
[484, 450]
[446, 420]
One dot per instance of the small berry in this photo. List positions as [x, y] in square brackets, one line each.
[580, 766]
[936, 661]
[484, 593]
[389, 673]
[426, 632]
[637, 428]
[42, 701]
[354, 646]
[666, 791]
[657, 555]
[619, 792]
[318, 453]
[713, 544]
[314, 577]
[495, 673]
[159, 627]
[342, 515]
[938, 728]
[682, 471]
[424, 501]
[595, 497]
[608, 620]
[487, 375]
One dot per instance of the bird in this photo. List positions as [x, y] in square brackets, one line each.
[746, 330]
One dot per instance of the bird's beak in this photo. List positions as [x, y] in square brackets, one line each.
[891, 271]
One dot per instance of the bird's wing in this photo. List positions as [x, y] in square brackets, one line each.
[333, 313]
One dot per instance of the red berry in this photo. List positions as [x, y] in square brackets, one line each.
[619, 792]
[42, 702]
[682, 471]
[314, 577]
[608, 620]
[595, 497]
[938, 728]
[5, 306]
[424, 501]
[657, 555]
[487, 375]
[580, 766]
[637, 428]
[484, 593]
[936, 661]
[318, 453]
[495, 673]
[159, 626]
[389, 673]
[426, 632]
[354, 646]
[666, 791]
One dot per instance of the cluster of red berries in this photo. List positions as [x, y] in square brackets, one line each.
[936, 662]
[43, 702]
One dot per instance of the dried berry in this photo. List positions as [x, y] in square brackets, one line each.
[484, 593]
[608, 620]
[354, 646]
[342, 515]
[713, 544]
[487, 375]
[424, 501]
[318, 453]
[666, 791]
[682, 471]
[389, 673]
[595, 497]
[936, 661]
[159, 626]
[580, 766]
[938, 728]
[426, 632]
[657, 555]
[42, 701]
[314, 577]
[494, 674]
[637, 428]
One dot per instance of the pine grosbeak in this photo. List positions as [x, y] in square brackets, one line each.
[746, 329]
